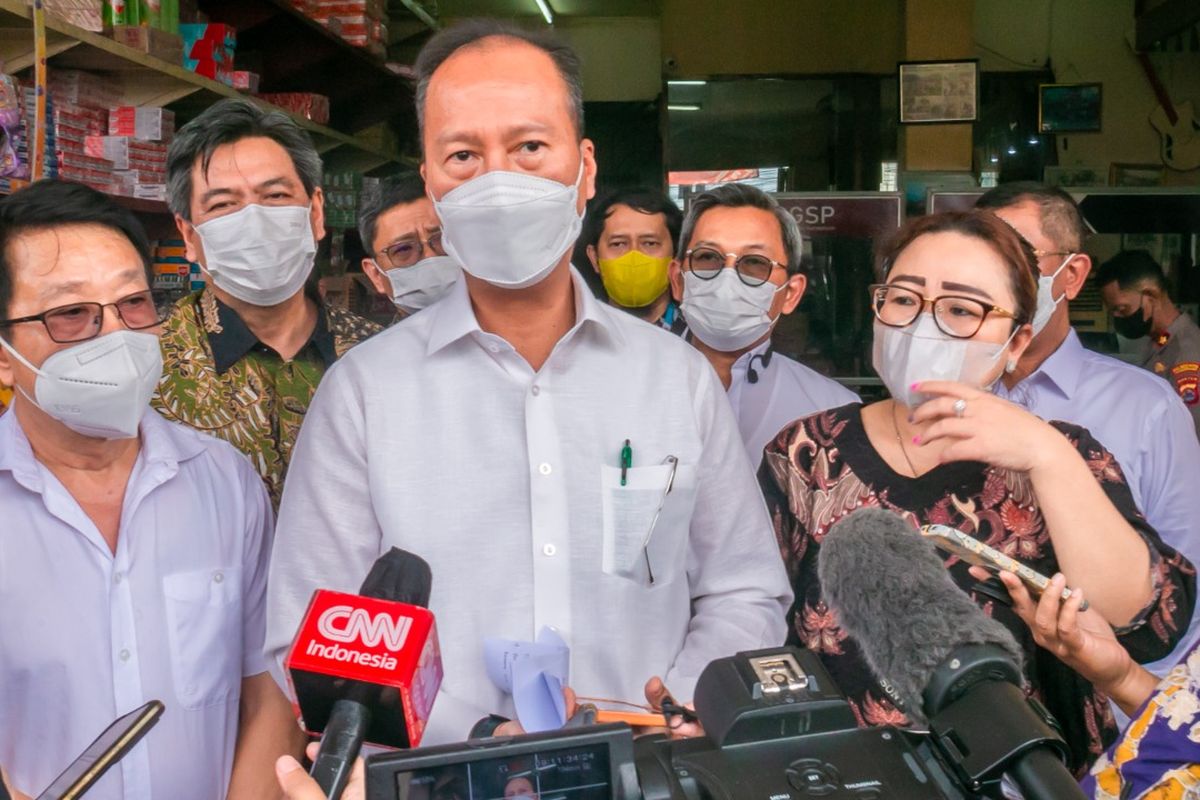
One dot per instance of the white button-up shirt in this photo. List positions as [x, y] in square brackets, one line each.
[176, 614]
[785, 391]
[439, 438]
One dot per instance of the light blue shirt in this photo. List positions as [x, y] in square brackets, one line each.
[1138, 417]
[175, 614]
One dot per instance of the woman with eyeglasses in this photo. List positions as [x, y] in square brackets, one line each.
[951, 316]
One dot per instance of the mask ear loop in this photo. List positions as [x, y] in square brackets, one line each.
[1070, 257]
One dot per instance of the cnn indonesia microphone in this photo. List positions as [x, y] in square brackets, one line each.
[367, 666]
[945, 660]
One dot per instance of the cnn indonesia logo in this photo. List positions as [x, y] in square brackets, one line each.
[349, 625]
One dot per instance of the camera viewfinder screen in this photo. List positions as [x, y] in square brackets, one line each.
[578, 773]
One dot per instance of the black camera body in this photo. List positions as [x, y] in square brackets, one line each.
[779, 729]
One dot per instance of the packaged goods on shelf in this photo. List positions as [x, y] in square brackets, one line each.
[121, 12]
[86, 14]
[83, 88]
[150, 191]
[127, 152]
[171, 267]
[208, 49]
[12, 123]
[342, 191]
[305, 104]
[10, 185]
[246, 81]
[152, 41]
[148, 123]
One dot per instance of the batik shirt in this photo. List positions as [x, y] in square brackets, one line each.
[823, 467]
[218, 378]
[1158, 757]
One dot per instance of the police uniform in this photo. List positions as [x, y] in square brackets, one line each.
[1175, 356]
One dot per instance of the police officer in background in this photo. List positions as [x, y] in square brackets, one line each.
[1135, 291]
[738, 271]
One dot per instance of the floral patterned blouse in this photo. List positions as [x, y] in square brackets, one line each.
[821, 468]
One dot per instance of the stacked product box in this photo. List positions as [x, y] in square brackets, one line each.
[172, 270]
[302, 104]
[139, 167]
[362, 23]
[85, 89]
[86, 14]
[342, 190]
[208, 50]
[14, 150]
[162, 15]
[147, 123]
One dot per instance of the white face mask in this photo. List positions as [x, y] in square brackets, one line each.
[726, 314]
[1045, 297]
[98, 388]
[509, 228]
[922, 352]
[262, 255]
[422, 284]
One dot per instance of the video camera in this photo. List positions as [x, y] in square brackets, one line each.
[777, 728]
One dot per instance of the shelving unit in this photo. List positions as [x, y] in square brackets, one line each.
[362, 90]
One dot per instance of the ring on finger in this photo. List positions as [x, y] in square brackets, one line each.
[960, 407]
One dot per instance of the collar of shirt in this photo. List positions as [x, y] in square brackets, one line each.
[1062, 367]
[162, 444]
[231, 339]
[456, 318]
[737, 373]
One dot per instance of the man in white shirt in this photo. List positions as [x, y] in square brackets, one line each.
[738, 271]
[134, 551]
[521, 436]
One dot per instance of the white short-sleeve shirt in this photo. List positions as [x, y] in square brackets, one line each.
[176, 614]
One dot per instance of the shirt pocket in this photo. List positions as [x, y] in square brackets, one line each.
[637, 546]
[204, 629]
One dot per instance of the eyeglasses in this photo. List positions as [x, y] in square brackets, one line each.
[407, 252]
[753, 270]
[955, 315]
[674, 462]
[1044, 253]
[79, 322]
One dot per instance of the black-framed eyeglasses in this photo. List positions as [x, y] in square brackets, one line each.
[407, 252]
[753, 270]
[955, 315]
[79, 322]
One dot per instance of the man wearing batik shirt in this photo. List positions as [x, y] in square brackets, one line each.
[244, 356]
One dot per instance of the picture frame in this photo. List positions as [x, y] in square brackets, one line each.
[1070, 107]
[1067, 176]
[938, 92]
[1123, 174]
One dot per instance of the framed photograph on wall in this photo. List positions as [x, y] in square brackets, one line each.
[1136, 174]
[938, 91]
[1069, 107]
[1075, 176]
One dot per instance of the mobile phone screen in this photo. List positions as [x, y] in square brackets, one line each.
[108, 748]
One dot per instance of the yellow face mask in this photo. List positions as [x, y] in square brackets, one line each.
[635, 279]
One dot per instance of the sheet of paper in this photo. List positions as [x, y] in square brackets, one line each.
[534, 673]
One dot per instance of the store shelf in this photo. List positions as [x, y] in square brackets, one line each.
[294, 53]
[146, 80]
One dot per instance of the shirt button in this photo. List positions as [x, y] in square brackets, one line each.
[549, 550]
[123, 655]
[118, 577]
[544, 469]
[493, 348]
[536, 390]
[218, 577]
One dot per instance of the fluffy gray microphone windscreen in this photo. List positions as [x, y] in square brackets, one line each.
[892, 593]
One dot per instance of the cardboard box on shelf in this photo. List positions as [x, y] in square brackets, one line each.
[246, 81]
[152, 41]
[86, 14]
[305, 104]
[148, 123]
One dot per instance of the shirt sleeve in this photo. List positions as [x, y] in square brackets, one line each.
[738, 585]
[1170, 462]
[256, 560]
[327, 536]
[1165, 619]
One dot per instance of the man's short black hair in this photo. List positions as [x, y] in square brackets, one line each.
[640, 199]
[472, 32]
[392, 191]
[743, 195]
[1129, 268]
[1058, 214]
[53, 204]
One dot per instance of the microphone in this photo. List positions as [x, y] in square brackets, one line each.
[367, 666]
[950, 664]
[763, 358]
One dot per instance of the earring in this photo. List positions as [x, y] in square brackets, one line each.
[1011, 366]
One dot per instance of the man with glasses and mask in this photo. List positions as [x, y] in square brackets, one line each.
[1135, 291]
[403, 237]
[576, 469]
[738, 272]
[1136, 416]
[244, 356]
[134, 551]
